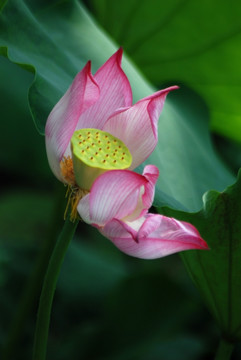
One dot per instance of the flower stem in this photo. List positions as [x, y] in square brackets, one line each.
[49, 285]
[224, 350]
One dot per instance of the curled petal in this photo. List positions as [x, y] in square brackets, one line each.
[114, 194]
[120, 194]
[151, 173]
[64, 117]
[153, 236]
[118, 229]
[147, 193]
[115, 92]
[136, 126]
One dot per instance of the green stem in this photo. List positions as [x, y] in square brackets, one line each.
[224, 350]
[49, 285]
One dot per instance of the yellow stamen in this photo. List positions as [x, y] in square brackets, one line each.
[67, 170]
[73, 193]
[74, 196]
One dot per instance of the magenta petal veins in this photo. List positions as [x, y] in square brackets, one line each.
[136, 126]
[153, 236]
[117, 194]
[64, 117]
[115, 93]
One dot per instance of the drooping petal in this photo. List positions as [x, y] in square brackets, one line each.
[118, 229]
[147, 193]
[137, 126]
[151, 173]
[114, 194]
[64, 117]
[153, 236]
[115, 92]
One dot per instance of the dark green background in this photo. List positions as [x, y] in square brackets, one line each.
[108, 305]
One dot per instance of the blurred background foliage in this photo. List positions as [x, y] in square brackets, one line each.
[108, 305]
[195, 43]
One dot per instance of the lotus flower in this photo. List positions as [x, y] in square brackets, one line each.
[95, 137]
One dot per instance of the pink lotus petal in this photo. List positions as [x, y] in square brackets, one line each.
[136, 126]
[115, 92]
[64, 117]
[118, 229]
[120, 194]
[151, 173]
[84, 209]
[147, 193]
[153, 236]
[114, 194]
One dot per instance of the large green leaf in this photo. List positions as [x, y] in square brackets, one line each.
[195, 42]
[55, 41]
[217, 272]
[18, 124]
